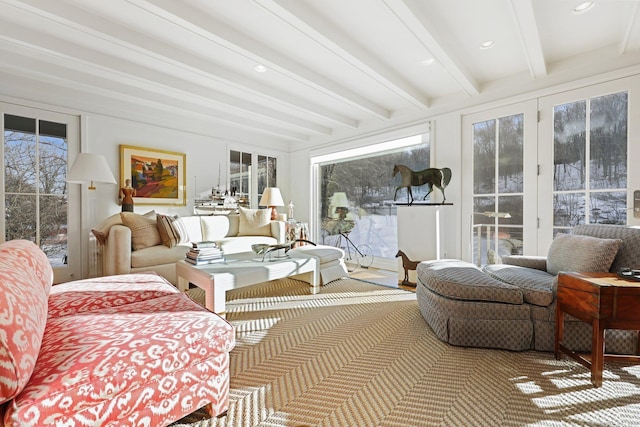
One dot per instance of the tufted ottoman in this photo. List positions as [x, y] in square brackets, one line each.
[466, 307]
[330, 259]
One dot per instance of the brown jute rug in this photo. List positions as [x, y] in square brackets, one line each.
[358, 354]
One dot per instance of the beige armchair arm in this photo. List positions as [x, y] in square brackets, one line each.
[116, 255]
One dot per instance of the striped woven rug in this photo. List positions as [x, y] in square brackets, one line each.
[358, 354]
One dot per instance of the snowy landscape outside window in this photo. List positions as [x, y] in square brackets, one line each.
[356, 196]
[590, 162]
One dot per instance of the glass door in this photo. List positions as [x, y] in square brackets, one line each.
[499, 149]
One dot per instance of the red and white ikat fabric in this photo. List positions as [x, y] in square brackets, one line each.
[125, 350]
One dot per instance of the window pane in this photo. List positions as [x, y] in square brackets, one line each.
[608, 143]
[234, 172]
[569, 125]
[484, 157]
[568, 209]
[53, 228]
[20, 217]
[608, 207]
[20, 162]
[481, 228]
[53, 165]
[510, 154]
[510, 229]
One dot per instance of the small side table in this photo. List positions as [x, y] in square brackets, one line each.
[604, 300]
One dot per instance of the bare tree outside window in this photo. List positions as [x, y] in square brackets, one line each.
[590, 162]
[35, 190]
[498, 187]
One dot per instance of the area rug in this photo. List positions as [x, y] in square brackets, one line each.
[358, 354]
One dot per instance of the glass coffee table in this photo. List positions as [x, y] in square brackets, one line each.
[244, 269]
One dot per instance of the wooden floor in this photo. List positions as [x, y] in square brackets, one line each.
[382, 277]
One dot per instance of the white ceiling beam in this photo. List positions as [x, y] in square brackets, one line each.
[409, 13]
[82, 21]
[525, 20]
[302, 18]
[631, 41]
[67, 72]
[98, 64]
[191, 19]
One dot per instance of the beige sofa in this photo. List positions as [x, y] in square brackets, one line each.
[122, 254]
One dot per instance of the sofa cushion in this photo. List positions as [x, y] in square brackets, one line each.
[629, 253]
[569, 252]
[172, 230]
[144, 229]
[168, 234]
[148, 360]
[102, 230]
[193, 228]
[464, 281]
[324, 253]
[24, 288]
[214, 227]
[537, 286]
[254, 222]
[88, 295]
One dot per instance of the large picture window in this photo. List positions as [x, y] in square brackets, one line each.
[357, 196]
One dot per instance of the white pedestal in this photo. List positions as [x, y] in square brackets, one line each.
[419, 233]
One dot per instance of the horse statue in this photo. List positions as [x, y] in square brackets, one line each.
[407, 264]
[432, 177]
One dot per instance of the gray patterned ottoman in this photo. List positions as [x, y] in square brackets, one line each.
[466, 307]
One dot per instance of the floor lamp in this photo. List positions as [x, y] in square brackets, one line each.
[488, 214]
[89, 168]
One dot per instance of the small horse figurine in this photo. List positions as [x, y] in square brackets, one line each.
[407, 264]
[432, 176]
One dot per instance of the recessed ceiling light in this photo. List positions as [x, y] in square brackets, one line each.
[260, 68]
[583, 7]
[487, 44]
[428, 61]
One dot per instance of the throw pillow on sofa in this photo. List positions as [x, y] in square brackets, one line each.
[570, 252]
[254, 222]
[144, 229]
[172, 230]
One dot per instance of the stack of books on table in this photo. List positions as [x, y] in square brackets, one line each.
[204, 253]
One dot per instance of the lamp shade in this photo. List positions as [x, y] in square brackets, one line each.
[89, 168]
[339, 200]
[271, 197]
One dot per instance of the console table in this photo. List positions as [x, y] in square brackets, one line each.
[604, 300]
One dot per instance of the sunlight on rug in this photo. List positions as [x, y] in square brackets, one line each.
[359, 354]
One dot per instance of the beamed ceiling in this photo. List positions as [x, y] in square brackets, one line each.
[333, 69]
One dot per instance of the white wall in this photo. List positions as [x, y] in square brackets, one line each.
[205, 157]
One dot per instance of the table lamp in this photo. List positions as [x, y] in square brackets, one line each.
[272, 198]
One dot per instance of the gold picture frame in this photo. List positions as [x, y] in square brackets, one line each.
[158, 176]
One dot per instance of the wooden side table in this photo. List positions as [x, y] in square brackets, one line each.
[604, 300]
